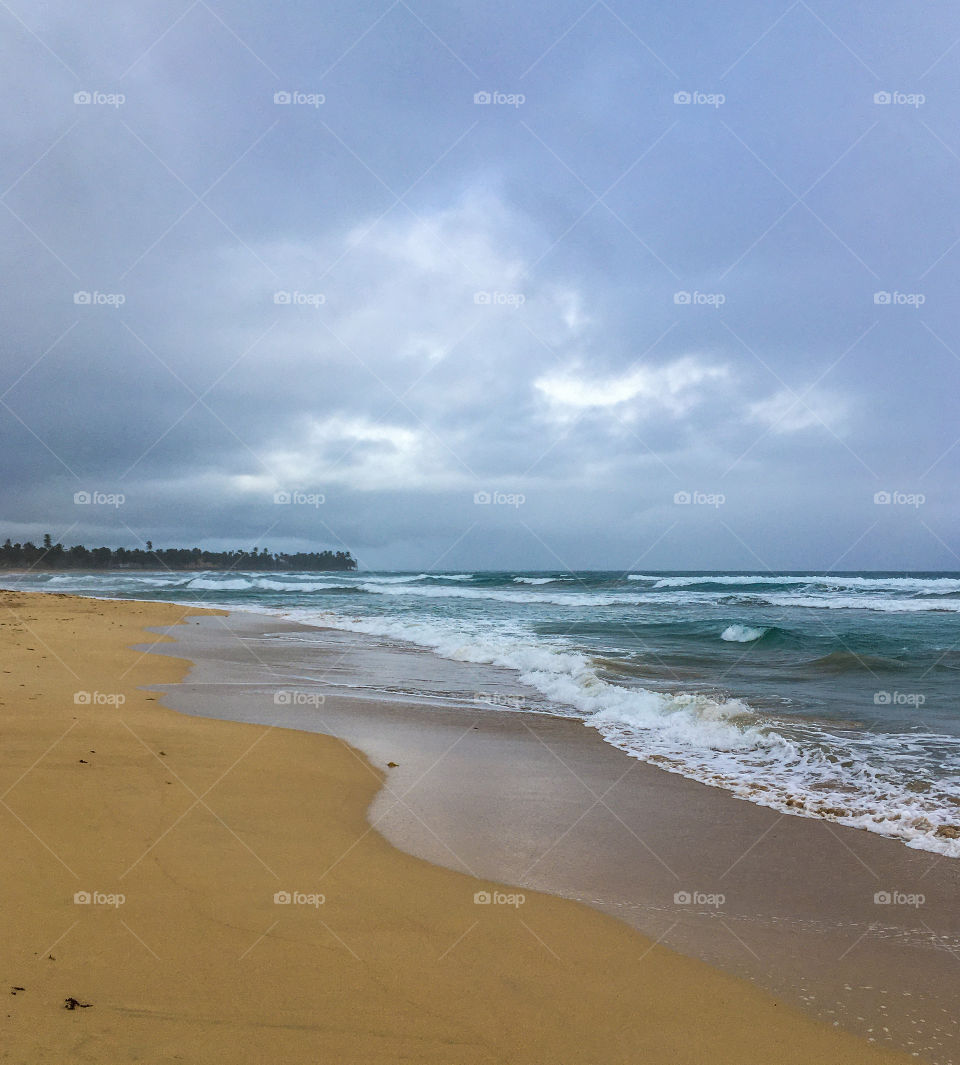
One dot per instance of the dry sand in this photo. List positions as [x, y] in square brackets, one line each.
[198, 823]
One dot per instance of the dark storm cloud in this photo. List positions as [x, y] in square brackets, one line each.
[668, 252]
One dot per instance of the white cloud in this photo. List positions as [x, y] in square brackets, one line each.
[356, 452]
[674, 386]
[792, 412]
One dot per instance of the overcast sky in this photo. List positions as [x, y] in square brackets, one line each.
[584, 259]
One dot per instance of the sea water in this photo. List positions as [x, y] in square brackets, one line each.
[824, 695]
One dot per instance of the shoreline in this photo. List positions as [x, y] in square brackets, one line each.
[799, 917]
[201, 823]
[814, 746]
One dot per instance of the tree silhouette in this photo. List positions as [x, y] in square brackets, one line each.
[54, 556]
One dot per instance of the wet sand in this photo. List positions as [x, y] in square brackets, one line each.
[793, 904]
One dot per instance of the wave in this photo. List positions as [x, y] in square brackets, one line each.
[863, 594]
[850, 776]
[159, 582]
[851, 602]
[742, 634]
[296, 586]
[237, 584]
[134, 578]
[927, 585]
[208, 581]
[826, 768]
[507, 595]
[557, 597]
[408, 578]
[453, 586]
[243, 584]
[853, 662]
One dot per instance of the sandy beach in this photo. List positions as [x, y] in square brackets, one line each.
[850, 927]
[208, 890]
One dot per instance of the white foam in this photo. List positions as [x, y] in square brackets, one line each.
[237, 584]
[742, 634]
[719, 742]
[876, 584]
[410, 578]
[510, 595]
[855, 602]
[297, 586]
[121, 578]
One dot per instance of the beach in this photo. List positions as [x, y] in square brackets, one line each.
[182, 887]
[855, 929]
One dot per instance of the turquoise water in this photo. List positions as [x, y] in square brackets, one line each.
[830, 695]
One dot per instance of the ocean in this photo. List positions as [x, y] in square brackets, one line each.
[822, 695]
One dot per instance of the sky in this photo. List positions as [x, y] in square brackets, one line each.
[501, 285]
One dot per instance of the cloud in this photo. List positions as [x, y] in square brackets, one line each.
[675, 387]
[793, 412]
[364, 455]
[410, 364]
[489, 278]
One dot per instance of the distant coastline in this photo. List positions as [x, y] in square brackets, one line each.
[51, 556]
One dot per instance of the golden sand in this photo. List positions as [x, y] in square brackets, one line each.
[197, 824]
